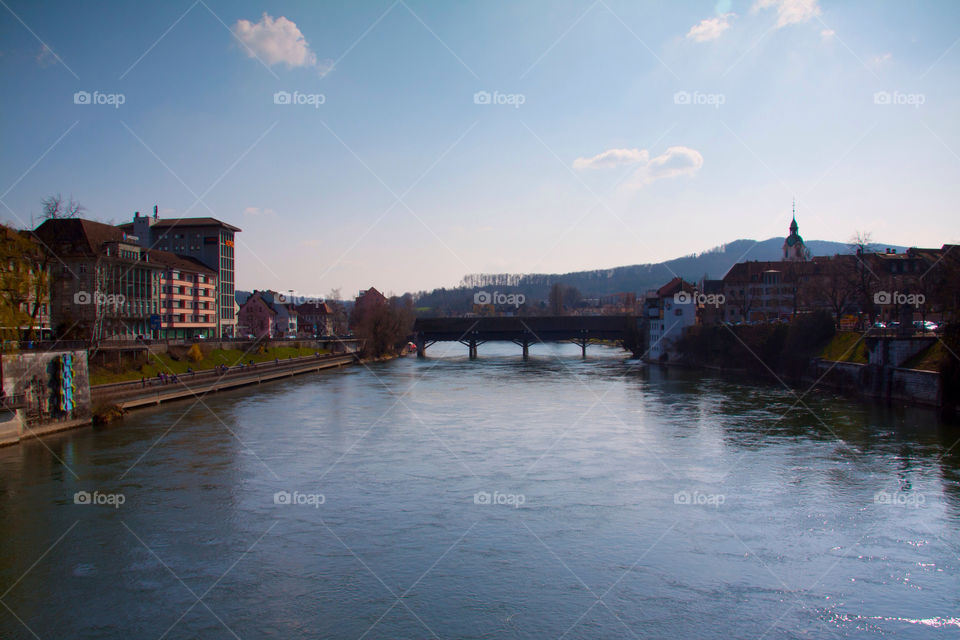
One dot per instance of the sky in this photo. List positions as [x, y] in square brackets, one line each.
[402, 144]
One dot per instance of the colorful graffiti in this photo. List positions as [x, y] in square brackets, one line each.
[68, 388]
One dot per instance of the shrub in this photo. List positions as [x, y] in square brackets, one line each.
[195, 354]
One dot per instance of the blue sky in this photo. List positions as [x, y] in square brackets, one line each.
[616, 132]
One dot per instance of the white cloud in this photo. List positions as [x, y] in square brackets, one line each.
[612, 158]
[276, 41]
[709, 28]
[675, 161]
[790, 11]
[256, 211]
[828, 34]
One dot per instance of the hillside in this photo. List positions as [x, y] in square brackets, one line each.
[638, 278]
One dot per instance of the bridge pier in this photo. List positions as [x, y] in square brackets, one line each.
[526, 349]
[473, 349]
[421, 346]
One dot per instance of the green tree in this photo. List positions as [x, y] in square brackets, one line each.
[24, 284]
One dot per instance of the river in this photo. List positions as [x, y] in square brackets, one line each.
[495, 498]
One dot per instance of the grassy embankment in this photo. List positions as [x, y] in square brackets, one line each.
[177, 361]
[844, 347]
[930, 359]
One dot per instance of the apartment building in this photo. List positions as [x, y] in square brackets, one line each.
[208, 240]
[188, 296]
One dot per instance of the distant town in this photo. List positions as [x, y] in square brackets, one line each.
[172, 279]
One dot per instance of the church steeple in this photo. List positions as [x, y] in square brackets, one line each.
[793, 247]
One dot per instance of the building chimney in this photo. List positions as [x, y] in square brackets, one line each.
[155, 215]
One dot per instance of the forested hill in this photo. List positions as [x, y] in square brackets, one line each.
[638, 278]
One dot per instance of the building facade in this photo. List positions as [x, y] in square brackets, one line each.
[670, 310]
[103, 283]
[267, 314]
[208, 240]
[257, 317]
[188, 297]
[315, 319]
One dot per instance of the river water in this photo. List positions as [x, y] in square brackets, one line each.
[496, 498]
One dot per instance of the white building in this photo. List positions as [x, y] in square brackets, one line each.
[674, 310]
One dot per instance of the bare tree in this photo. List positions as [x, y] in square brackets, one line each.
[835, 286]
[340, 317]
[55, 207]
[861, 244]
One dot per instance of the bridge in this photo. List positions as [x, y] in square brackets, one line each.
[522, 331]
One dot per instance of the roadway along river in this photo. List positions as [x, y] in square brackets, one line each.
[496, 498]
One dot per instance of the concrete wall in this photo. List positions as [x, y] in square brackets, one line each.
[894, 352]
[886, 383]
[37, 376]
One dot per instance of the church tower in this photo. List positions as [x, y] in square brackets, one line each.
[794, 250]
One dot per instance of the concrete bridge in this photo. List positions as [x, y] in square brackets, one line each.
[522, 331]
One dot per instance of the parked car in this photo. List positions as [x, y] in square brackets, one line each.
[879, 325]
[920, 325]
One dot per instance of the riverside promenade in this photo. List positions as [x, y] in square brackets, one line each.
[130, 395]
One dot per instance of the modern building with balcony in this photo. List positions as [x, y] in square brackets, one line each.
[188, 296]
[208, 240]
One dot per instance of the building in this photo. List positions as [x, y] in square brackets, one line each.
[266, 314]
[670, 310]
[913, 284]
[103, 283]
[761, 291]
[257, 317]
[208, 240]
[369, 298]
[315, 319]
[188, 296]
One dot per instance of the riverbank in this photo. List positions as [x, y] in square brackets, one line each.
[179, 360]
[909, 370]
[111, 402]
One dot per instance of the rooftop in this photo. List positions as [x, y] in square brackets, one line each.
[162, 223]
